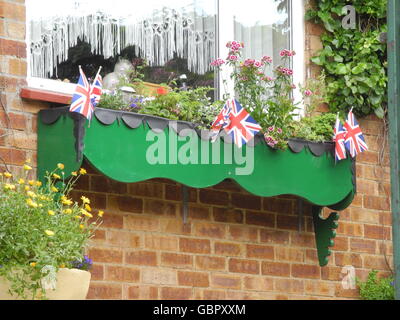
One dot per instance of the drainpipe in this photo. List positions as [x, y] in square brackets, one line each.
[393, 17]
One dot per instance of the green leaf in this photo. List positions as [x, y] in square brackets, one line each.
[341, 69]
[380, 113]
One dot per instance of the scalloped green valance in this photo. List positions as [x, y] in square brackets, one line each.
[116, 143]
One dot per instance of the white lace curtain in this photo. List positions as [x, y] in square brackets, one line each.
[185, 28]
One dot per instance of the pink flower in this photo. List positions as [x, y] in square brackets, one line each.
[217, 63]
[279, 130]
[293, 86]
[258, 64]
[287, 53]
[266, 78]
[308, 93]
[232, 57]
[289, 72]
[272, 128]
[267, 59]
[249, 62]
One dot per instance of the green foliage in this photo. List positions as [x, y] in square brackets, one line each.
[317, 128]
[353, 60]
[376, 289]
[40, 228]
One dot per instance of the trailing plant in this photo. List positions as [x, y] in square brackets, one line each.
[317, 128]
[354, 60]
[41, 229]
[377, 289]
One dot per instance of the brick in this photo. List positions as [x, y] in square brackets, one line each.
[12, 11]
[141, 223]
[142, 292]
[341, 243]
[128, 204]
[348, 259]
[106, 255]
[194, 245]
[13, 156]
[376, 203]
[159, 207]
[197, 212]
[274, 236]
[113, 221]
[243, 233]
[122, 274]
[170, 293]
[156, 242]
[289, 254]
[159, 276]
[214, 197]
[311, 257]
[261, 219]
[375, 262]
[104, 184]
[368, 157]
[346, 293]
[362, 245]
[209, 230]
[377, 232]
[12, 48]
[289, 285]
[258, 283]
[228, 215]
[302, 240]
[287, 222]
[144, 258]
[97, 272]
[244, 266]
[16, 67]
[214, 295]
[275, 269]
[123, 239]
[350, 229]
[144, 189]
[278, 205]
[176, 260]
[174, 192]
[319, 288]
[227, 249]
[210, 263]
[104, 291]
[225, 281]
[306, 271]
[193, 279]
[246, 201]
[260, 251]
[175, 226]
[17, 31]
[367, 187]
[331, 273]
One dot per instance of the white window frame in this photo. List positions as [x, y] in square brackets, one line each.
[225, 33]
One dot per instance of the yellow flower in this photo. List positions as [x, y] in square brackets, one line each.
[100, 213]
[9, 186]
[51, 213]
[21, 181]
[33, 264]
[60, 166]
[87, 207]
[78, 217]
[27, 188]
[85, 200]
[7, 174]
[31, 203]
[27, 168]
[56, 176]
[54, 189]
[62, 265]
[38, 183]
[68, 211]
[74, 173]
[66, 202]
[81, 226]
[85, 213]
[31, 194]
[82, 171]
[49, 233]
[31, 182]
[28, 161]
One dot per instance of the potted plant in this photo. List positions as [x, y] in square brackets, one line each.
[43, 235]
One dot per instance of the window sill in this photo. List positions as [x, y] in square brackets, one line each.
[45, 95]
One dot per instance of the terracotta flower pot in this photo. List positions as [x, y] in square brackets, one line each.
[72, 284]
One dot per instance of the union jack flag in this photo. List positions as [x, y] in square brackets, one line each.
[241, 127]
[81, 102]
[220, 122]
[355, 141]
[339, 138]
[96, 90]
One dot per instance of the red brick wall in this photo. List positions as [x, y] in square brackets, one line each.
[234, 245]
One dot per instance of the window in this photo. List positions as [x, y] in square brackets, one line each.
[175, 37]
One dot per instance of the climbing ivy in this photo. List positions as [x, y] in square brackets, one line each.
[354, 60]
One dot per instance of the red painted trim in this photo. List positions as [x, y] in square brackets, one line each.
[44, 95]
